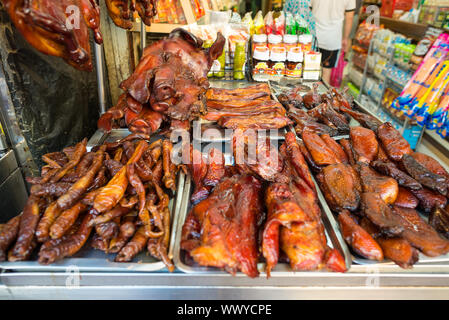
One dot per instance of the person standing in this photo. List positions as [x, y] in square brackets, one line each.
[333, 20]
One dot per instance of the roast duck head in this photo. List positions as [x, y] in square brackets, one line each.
[168, 84]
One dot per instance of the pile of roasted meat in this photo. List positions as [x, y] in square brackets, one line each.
[168, 85]
[119, 192]
[375, 183]
[60, 28]
[245, 108]
[122, 11]
[252, 211]
[322, 114]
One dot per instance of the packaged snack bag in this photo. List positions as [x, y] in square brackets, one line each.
[248, 22]
[259, 24]
[269, 23]
[279, 24]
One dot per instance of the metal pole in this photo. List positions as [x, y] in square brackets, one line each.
[99, 61]
[143, 37]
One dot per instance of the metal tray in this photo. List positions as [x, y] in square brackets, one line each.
[91, 260]
[334, 238]
[225, 135]
[423, 260]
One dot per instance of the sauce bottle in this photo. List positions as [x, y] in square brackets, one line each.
[261, 70]
[277, 63]
[290, 41]
[293, 65]
[259, 40]
[274, 41]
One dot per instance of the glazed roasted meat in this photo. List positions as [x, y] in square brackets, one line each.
[321, 153]
[406, 199]
[268, 107]
[364, 144]
[107, 191]
[122, 11]
[255, 156]
[380, 214]
[256, 122]
[245, 108]
[419, 233]
[327, 114]
[365, 120]
[221, 231]
[396, 249]
[390, 169]
[312, 99]
[169, 83]
[46, 26]
[372, 181]
[359, 239]
[341, 187]
[392, 141]
[424, 176]
[429, 199]
[439, 220]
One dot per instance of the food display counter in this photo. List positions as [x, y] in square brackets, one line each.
[428, 279]
[116, 217]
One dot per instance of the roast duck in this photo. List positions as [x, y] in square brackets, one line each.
[48, 28]
[114, 198]
[168, 85]
[255, 211]
[375, 183]
[322, 114]
[56, 28]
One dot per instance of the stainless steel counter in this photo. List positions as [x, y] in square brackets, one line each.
[385, 281]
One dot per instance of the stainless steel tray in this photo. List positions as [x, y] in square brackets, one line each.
[423, 260]
[333, 236]
[91, 260]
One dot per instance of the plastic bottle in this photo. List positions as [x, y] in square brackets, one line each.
[239, 60]
[293, 65]
[261, 69]
[277, 63]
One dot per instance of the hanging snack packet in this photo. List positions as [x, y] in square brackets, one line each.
[302, 27]
[279, 24]
[248, 22]
[239, 60]
[259, 24]
[290, 25]
[269, 23]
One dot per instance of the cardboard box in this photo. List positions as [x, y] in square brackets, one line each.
[312, 61]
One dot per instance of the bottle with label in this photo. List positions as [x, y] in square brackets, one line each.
[239, 60]
[218, 66]
[261, 71]
[290, 41]
[277, 63]
[259, 40]
[293, 65]
[305, 42]
[274, 41]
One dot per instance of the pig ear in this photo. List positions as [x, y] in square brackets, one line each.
[187, 36]
[217, 48]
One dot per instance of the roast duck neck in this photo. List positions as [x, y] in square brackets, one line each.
[168, 84]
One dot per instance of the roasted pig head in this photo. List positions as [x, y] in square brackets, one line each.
[170, 79]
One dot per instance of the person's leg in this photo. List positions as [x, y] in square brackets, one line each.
[329, 61]
[327, 75]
